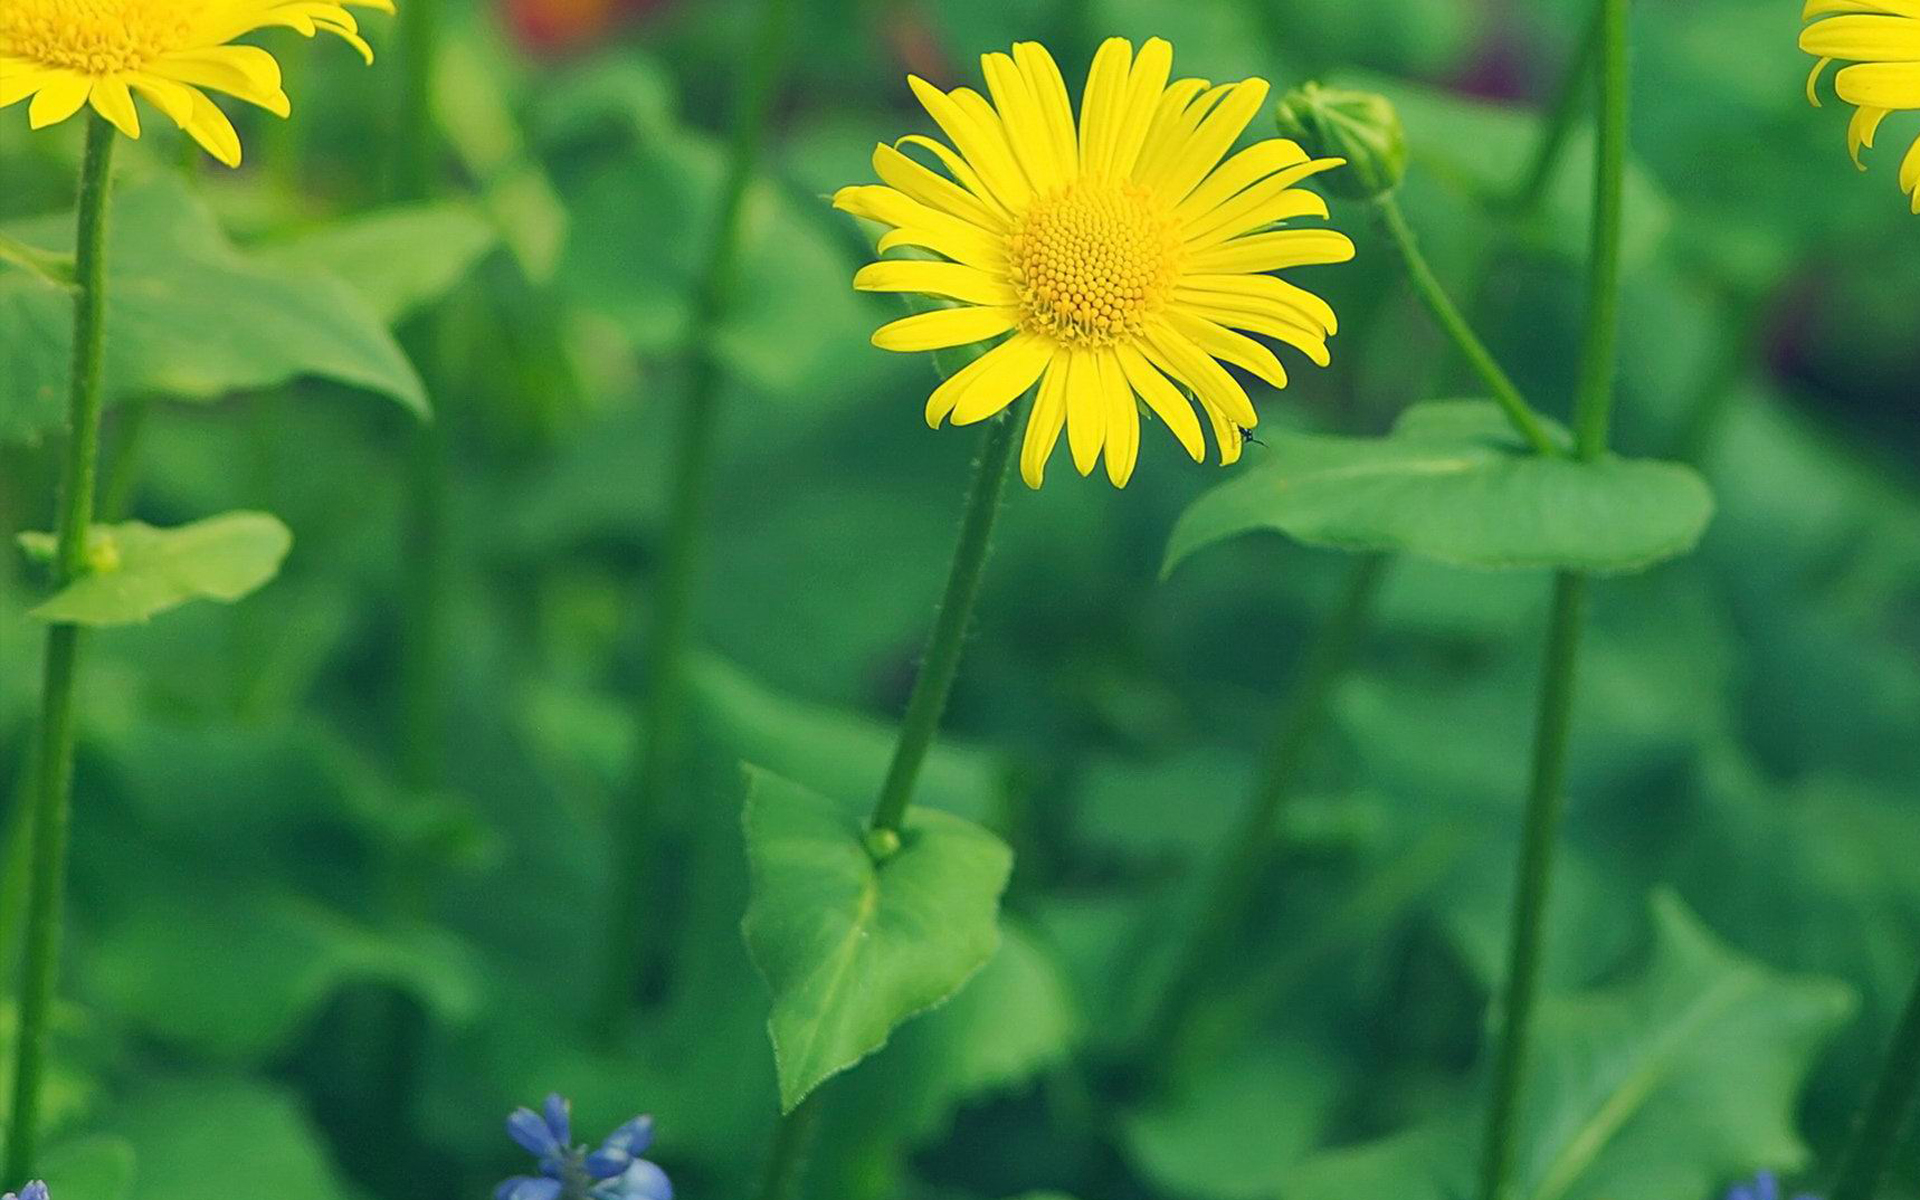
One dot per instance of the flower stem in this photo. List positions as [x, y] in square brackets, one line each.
[1546, 800]
[1540, 836]
[792, 1142]
[1527, 196]
[1232, 887]
[1524, 420]
[665, 704]
[53, 779]
[941, 663]
[1868, 1161]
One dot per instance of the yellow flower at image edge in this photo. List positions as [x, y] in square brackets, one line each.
[66, 54]
[1881, 38]
[1121, 259]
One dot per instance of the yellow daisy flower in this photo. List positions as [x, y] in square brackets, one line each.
[1882, 39]
[1120, 257]
[65, 54]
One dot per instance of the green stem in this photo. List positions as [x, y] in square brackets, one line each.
[415, 147]
[665, 705]
[1525, 421]
[941, 664]
[1593, 403]
[1540, 836]
[792, 1142]
[1546, 800]
[1868, 1162]
[53, 791]
[1559, 128]
[1232, 888]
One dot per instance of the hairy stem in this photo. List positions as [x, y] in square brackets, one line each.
[1520, 414]
[941, 664]
[53, 779]
[1546, 800]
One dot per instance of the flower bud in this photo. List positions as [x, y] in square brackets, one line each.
[1361, 127]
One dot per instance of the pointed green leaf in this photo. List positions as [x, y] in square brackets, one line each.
[1452, 483]
[189, 317]
[852, 948]
[139, 571]
[400, 259]
[1668, 1085]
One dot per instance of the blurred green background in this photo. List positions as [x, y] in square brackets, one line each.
[319, 949]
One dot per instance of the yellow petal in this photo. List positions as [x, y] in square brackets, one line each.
[1027, 132]
[944, 328]
[1123, 419]
[59, 98]
[1275, 251]
[1145, 86]
[1880, 84]
[955, 281]
[1100, 104]
[1165, 400]
[1049, 90]
[1012, 368]
[111, 100]
[1086, 413]
[1044, 423]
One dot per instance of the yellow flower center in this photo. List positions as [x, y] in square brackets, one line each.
[1092, 261]
[94, 37]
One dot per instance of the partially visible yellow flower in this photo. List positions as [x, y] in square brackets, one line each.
[1882, 39]
[1122, 259]
[66, 54]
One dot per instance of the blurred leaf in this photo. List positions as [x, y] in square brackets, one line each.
[1482, 149]
[141, 571]
[1452, 483]
[401, 259]
[830, 750]
[1234, 1128]
[469, 107]
[1669, 1084]
[93, 1168]
[70, 1088]
[851, 949]
[198, 1137]
[188, 317]
[245, 992]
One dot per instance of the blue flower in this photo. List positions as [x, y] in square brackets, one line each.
[613, 1171]
[33, 1191]
[1765, 1186]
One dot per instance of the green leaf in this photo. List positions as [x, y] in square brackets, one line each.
[1236, 1127]
[279, 958]
[1667, 1085]
[1452, 483]
[852, 948]
[188, 317]
[93, 1168]
[400, 259]
[139, 571]
[199, 1137]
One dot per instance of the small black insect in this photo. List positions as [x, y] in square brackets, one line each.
[1247, 438]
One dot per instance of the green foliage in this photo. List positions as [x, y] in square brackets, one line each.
[138, 572]
[192, 317]
[852, 947]
[398, 258]
[1677, 1079]
[1453, 483]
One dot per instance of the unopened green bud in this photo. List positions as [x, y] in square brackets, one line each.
[1361, 127]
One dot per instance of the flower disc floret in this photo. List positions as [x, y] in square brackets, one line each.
[1092, 262]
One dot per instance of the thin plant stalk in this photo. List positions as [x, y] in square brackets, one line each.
[1867, 1164]
[52, 796]
[664, 706]
[941, 663]
[422, 668]
[793, 1141]
[1558, 130]
[1231, 890]
[1546, 800]
[1527, 423]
